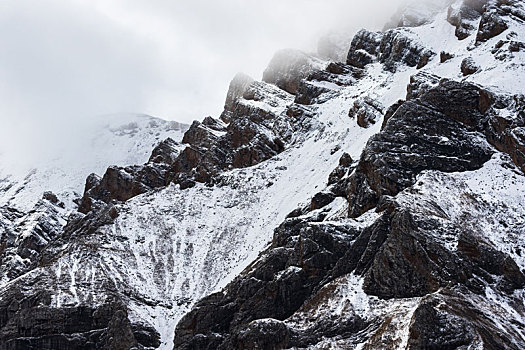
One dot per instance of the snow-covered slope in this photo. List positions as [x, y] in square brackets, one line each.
[123, 139]
[202, 237]
[172, 247]
[437, 265]
[376, 204]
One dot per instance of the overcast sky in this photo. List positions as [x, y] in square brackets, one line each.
[65, 61]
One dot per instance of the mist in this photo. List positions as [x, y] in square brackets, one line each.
[65, 63]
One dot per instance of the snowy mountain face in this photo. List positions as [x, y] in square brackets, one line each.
[375, 203]
[123, 140]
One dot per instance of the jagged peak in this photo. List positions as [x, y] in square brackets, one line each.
[237, 87]
[288, 67]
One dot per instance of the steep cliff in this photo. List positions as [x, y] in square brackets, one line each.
[375, 203]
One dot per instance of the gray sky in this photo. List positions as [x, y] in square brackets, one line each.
[65, 61]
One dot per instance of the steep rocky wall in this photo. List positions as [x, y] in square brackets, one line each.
[397, 254]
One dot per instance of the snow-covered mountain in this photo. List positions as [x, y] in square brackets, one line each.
[121, 139]
[375, 203]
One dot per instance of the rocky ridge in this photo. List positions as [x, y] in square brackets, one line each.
[415, 242]
[413, 269]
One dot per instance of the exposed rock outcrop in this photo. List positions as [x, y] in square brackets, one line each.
[398, 256]
[275, 287]
[491, 25]
[29, 322]
[256, 131]
[398, 259]
[364, 48]
[321, 85]
[464, 16]
[468, 66]
[32, 316]
[431, 132]
[288, 67]
[236, 90]
[121, 184]
[390, 48]
[366, 111]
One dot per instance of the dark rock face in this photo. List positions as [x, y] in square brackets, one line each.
[450, 321]
[506, 133]
[41, 225]
[468, 66]
[238, 87]
[432, 132]
[245, 141]
[305, 76]
[314, 89]
[420, 84]
[442, 127]
[397, 48]
[463, 18]
[165, 152]
[390, 111]
[28, 323]
[391, 159]
[121, 184]
[345, 163]
[418, 266]
[32, 318]
[321, 199]
[366, 111]
[397, 257]
[264, 334]
[364, 48]
[491, 25]
[435, 329]
[287, 68]
[274, 288]
[390, 48]
[52, 198]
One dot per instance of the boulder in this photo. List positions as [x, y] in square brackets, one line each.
[492, 24]
[366, 111]
[321, 199]
[468, 66]
[445, 56]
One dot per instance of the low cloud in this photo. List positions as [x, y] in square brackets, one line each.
[64, 62]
